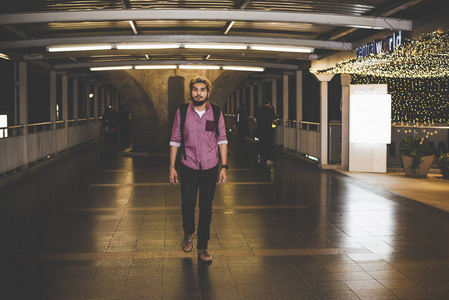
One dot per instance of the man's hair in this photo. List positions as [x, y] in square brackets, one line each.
[266, 101]
[200, 79]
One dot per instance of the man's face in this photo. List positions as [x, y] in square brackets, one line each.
[199, 92]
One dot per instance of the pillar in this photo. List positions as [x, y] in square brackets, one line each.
[285, 108]
[87, 101]
[251, 100]
[75, 99]
[53, 118]
[95, 102]
[23, 109]
[108, 98]
[345, 92]
[299, 116]
[232, 103]
[259, 94]
[102, 101]
[274, 94]
[237, 100]
[228, 106]
[324, 119]
[65, 108]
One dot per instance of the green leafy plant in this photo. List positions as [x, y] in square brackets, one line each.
[443, 163]
[416, 148]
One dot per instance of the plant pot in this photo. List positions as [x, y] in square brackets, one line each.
[445, 172]
[421, 171]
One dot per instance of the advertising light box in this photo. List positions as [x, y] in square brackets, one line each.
[370, 119]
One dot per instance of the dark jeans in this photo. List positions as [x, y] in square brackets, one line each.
[191, 181]
[266, 140]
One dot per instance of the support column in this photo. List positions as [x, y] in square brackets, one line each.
[102, 100]
[108, 98]
[274, 93]
[251, 100]
[53, 118]
[232, 103]
[345, 93]
[87, 101]
[324, 118]
[284, 109]
[23, 109]
[237, 99]
[65, 108]
[299, 116]
[259, 94]
[75, 99]
[95, 102]
[228, 105]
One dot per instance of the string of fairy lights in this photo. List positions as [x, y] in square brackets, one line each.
[417, 74]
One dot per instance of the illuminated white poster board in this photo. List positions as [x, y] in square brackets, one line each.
[370, 119]
[369, 127]
[3, 124]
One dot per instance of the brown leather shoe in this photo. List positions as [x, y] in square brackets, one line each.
[187, 242]
[204, 256]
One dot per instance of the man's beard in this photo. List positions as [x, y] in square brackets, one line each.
[198, 103]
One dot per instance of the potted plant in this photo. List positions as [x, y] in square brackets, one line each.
[417, 156]
[443, 163]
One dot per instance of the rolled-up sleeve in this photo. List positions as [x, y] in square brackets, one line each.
[222, 139]
[175, 139]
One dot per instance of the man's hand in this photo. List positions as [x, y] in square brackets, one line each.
[223, 177]
[173, 177]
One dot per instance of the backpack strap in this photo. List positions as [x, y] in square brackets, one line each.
[183, 113]
[216, 111]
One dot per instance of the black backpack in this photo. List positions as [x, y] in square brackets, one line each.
[183, 113]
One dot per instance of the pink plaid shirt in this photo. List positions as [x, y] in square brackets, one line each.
[199, 138]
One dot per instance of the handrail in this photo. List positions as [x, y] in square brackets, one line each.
[37, 124]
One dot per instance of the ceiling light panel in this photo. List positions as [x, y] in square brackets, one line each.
[150, 46]
[111, 68]
[218, 46]
[244, 68]
[297, 49]
[155, 67]
[199, 67]
[85, 47]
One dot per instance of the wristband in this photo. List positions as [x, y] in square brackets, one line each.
[225, 166]
[171, 167]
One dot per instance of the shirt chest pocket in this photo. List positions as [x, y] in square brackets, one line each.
[210, 125]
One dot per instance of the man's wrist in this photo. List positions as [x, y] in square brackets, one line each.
[225, 166]
[171, 167]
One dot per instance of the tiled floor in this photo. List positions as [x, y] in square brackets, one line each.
[91, 227]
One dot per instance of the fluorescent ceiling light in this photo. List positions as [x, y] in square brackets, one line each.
[4, 56]
[218, 46]
[87, 47]
[229, 27]
[199, 67]
[147, 46]
[155, 67]
[244, 68]
[298, 49]
[111, 68]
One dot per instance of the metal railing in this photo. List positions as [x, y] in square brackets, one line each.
[24, 144]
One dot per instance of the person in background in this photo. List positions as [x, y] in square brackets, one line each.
[202, 148]
[264, 119]
[241, 122]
